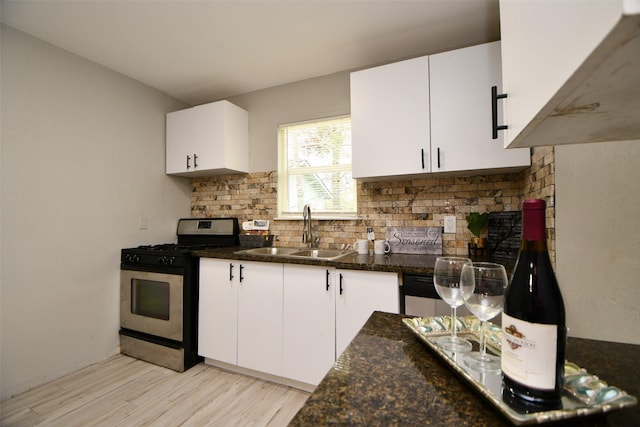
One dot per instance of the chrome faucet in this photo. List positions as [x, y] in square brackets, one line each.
[307, 235]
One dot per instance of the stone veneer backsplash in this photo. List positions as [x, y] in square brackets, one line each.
[417, 202]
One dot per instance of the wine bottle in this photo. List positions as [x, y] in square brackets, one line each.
[533, 322]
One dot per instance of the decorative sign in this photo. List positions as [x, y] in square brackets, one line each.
[504, 234]
[415, 240]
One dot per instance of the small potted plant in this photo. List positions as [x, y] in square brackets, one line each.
[477, 223]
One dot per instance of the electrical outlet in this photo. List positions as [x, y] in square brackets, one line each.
[143, 222]
[450, 224]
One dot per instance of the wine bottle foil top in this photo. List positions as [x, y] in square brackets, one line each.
[533, 217]
[533, 204]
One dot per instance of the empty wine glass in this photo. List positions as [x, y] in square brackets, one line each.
[483, 286]
[446, 277]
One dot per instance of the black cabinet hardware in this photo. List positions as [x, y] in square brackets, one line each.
[241, 276]
[195, 161]
[438, 157]
[188, 159]
[422, 156]
[340, 283]
[327, 279]
[494, 111]
[230, 271]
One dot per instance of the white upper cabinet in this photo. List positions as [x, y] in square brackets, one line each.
[461, 112]
[571, 71]
[390, 119]
[209, 139]
[431, 114]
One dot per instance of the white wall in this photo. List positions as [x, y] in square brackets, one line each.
[598, 239]
[82, 160]
[316, 98]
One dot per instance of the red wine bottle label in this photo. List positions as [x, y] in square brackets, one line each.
[529, 352]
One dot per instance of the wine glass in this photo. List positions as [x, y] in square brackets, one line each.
[446, 277]
[483, 286]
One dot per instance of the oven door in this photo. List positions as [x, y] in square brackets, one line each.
[152, 303]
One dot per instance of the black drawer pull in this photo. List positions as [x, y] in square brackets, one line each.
[494, 111]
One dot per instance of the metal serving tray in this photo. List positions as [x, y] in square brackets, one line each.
[585, 394]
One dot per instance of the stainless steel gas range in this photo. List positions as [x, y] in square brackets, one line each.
[159, 293]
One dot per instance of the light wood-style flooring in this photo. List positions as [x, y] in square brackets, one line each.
[123, 391]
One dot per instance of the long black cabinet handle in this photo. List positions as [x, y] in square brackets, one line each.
[438, 157]
[340, 283]
[188, 159]
[241, 276]
[494, 111]
[327, 279]
[422, 156]
[230, 271]
[195, 161]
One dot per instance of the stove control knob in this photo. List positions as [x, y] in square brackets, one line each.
[132, 258]
[166, 260]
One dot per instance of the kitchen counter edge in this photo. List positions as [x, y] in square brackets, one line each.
[395, 263]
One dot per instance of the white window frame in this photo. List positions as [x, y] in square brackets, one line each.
[284, 173]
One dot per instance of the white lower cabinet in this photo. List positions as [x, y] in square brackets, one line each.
[240, 314]
[260, 317]
[288, 321]
[309, 322]
[360, 293]
[218, 310]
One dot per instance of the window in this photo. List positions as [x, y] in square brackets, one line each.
[314, 168]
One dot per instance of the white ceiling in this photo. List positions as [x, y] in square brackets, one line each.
[202, 51]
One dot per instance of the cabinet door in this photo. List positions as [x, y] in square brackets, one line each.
[260, 317]
[208, 132]
[390, 119]
[221, 138]
[570, 72]
[179, 141]
[360, 293]
[309, 322]
[218, 310]
[209, 139]
[461, 116]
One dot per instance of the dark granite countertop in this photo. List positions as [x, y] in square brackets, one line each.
[386, 377]
[398, 263]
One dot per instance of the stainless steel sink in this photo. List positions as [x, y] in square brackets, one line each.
[323, 254]
[270, 251]
[320, 254]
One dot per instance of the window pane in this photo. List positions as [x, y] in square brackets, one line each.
[315, 168]
[316, 146]
[323, 192]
